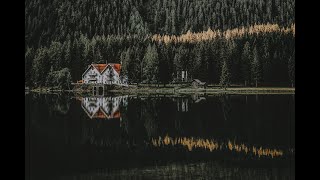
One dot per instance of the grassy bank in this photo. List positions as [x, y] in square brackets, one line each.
[49, 90]
[208, 90]
[173, 89]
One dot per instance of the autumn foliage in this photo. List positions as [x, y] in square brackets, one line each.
[210, 34]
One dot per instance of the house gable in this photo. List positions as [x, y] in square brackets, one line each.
[89, 68]
[114, 66]
[92, 74]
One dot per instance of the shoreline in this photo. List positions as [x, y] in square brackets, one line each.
[174, 90]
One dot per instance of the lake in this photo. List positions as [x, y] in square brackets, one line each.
[160, 136]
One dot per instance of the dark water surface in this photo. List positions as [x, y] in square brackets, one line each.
[160, 137]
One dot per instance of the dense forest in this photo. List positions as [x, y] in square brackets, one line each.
[217, 41]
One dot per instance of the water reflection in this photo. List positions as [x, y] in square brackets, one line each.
[182, 105]
[58, 103]
[219, 117]
[103, 107]
[190, 171]
[226, 107]
[93, 132]
[148, 110]
[211, 145]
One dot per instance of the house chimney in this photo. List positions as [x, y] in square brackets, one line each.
[106, 61]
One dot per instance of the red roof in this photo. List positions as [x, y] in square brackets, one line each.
[100, 114]
[116, 114]
[99, 67]
[102, 67]
[117, 67]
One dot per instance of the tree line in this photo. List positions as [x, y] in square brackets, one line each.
[47, 21]
[64, 37]
[250, 59]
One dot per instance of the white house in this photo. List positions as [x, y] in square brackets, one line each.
[108, 73]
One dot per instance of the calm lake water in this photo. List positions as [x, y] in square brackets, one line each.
[160, 137]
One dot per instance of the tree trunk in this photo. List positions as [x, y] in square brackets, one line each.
[256, 83]
[245, 83]
[292, 84]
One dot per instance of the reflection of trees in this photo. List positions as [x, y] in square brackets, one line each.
[226, 106]
[132, 123]
[177, 123]
[212, 145]
[124, 114]
[49, 114]
[182, 108]
[58, 103]
[183, 170]
[150, 112]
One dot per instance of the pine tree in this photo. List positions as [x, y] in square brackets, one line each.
[173, 21]
[151, 64]
[256, 67]
[55, 55]
[197, 66]
[225, 75]
[137, 65]
[64, 78]
[245, 63]
[167, 22]
[137, 26]
[156, 21]
[177, 62]
[125, 60]
[50, 78]
[164, 67]
[66, 62]
[39, 67]
[29, 56]
[291, 69]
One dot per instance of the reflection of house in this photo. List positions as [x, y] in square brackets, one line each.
[108, 73]
[103, 107]
[182, 104]
[196, 98]
[197, 83]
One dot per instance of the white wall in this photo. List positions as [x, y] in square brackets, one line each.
[92, 71]
[106, 76]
